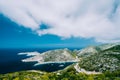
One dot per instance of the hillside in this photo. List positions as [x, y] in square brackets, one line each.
[68, 73]
[53, 56]
[91, 50]
[103, 60]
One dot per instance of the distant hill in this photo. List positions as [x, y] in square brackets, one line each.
[88, 51]
[53, 56]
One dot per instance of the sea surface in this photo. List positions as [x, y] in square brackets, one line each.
[10, 61]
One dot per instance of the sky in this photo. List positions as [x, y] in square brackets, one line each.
[58, 23]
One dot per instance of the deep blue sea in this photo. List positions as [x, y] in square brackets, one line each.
[10, 61]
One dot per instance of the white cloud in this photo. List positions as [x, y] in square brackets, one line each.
[99, 19]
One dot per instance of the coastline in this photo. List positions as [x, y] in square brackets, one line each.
[53, 62]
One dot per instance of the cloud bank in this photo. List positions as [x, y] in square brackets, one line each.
[98, 19]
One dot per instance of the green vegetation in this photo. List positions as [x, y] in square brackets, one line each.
[114, 48]
[69, 74]
[58, 55]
